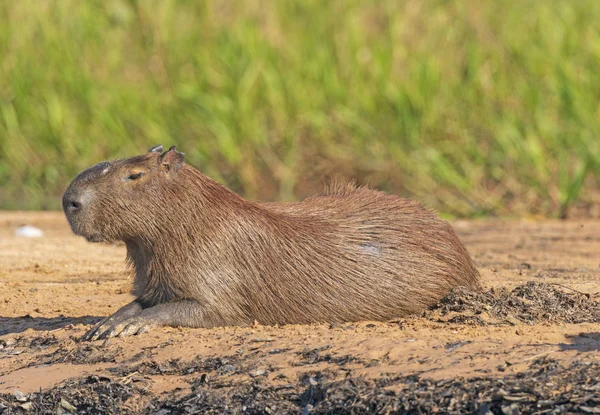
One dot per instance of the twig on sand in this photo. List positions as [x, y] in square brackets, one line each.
[126, 379]
[571, 289]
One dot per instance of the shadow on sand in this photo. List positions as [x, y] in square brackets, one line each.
[10, 325]
[583, 342]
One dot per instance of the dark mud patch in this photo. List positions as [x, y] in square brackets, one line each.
[545, 387]
[530, 303]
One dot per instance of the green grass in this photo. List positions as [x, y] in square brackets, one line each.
[473, 107]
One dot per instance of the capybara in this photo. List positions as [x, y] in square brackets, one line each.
[203, 256]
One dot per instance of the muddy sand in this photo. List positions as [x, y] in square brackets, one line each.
[530, 343]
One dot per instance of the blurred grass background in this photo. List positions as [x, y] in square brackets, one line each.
[473, 107]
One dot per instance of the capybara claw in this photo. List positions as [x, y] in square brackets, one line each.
[120, 328]
[136, 327]
[93, 333]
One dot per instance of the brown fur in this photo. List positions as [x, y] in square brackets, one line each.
[348, 254]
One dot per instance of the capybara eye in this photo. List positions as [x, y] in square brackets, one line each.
[134, 176]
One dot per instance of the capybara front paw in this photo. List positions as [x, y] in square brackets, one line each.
[118, 327]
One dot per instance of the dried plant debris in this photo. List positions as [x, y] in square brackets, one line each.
[317, 355]
[40, 342]
[531, 303]
[90, 395]
[545, 387]
[225, 365]
[83, 353]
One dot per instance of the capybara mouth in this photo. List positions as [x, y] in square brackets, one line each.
[92, 236]
[89, 236]
[95, 238]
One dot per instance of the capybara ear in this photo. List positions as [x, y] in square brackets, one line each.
[172, 159]
[156, 149]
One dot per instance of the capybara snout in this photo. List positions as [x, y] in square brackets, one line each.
[76, 194]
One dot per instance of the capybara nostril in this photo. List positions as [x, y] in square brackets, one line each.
[72, 205]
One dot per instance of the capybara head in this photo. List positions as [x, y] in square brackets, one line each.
[116, 200]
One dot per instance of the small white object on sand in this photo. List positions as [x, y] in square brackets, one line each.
[29, 231]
